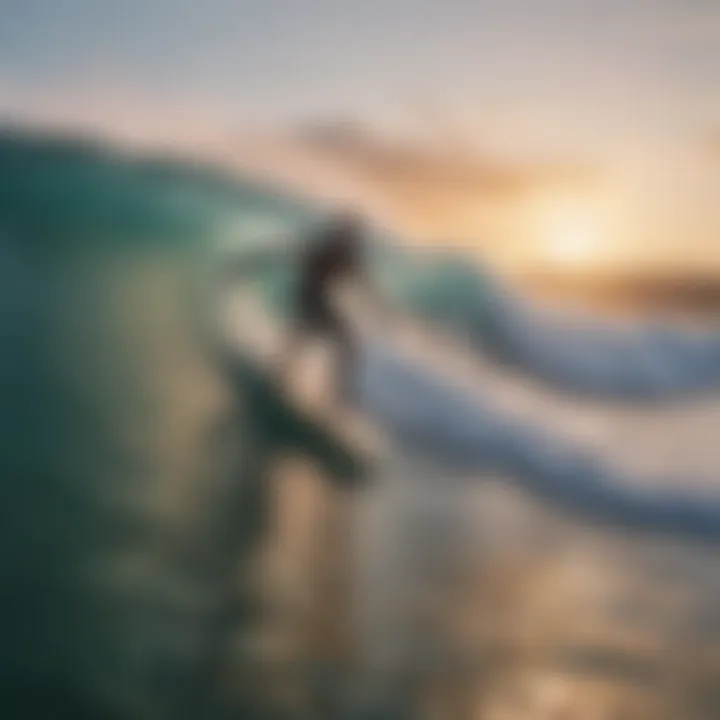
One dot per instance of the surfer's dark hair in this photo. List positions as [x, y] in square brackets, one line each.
[345, 224]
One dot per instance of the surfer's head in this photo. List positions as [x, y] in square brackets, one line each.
[347, 226]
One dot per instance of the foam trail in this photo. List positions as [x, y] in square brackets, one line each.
[580, 355]
[429, 416]
[642, 361]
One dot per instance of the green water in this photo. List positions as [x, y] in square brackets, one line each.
[122, 437]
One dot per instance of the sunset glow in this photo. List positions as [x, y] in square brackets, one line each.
[571, 240]
[452, 117]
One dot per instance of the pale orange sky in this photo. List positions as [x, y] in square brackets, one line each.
[574, 133]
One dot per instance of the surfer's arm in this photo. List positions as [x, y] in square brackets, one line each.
[381, 307]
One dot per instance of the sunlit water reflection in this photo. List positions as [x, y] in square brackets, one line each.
[470, 600]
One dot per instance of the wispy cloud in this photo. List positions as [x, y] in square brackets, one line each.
[439, 167]
[442, 186]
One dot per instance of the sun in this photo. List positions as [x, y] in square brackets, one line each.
[569, 236]
[572, 241]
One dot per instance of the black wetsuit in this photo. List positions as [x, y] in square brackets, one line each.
[332, 259]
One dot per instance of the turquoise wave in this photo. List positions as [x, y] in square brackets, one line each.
[125, 461]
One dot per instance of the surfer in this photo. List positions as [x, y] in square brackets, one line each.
[335, 256]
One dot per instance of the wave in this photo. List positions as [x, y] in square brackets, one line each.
[650, 361]
[429, 417]
[110, 409]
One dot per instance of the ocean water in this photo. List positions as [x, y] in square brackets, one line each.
[126, 449]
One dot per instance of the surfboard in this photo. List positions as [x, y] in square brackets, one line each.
[262, 338]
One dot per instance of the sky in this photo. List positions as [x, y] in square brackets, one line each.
[627, 90]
